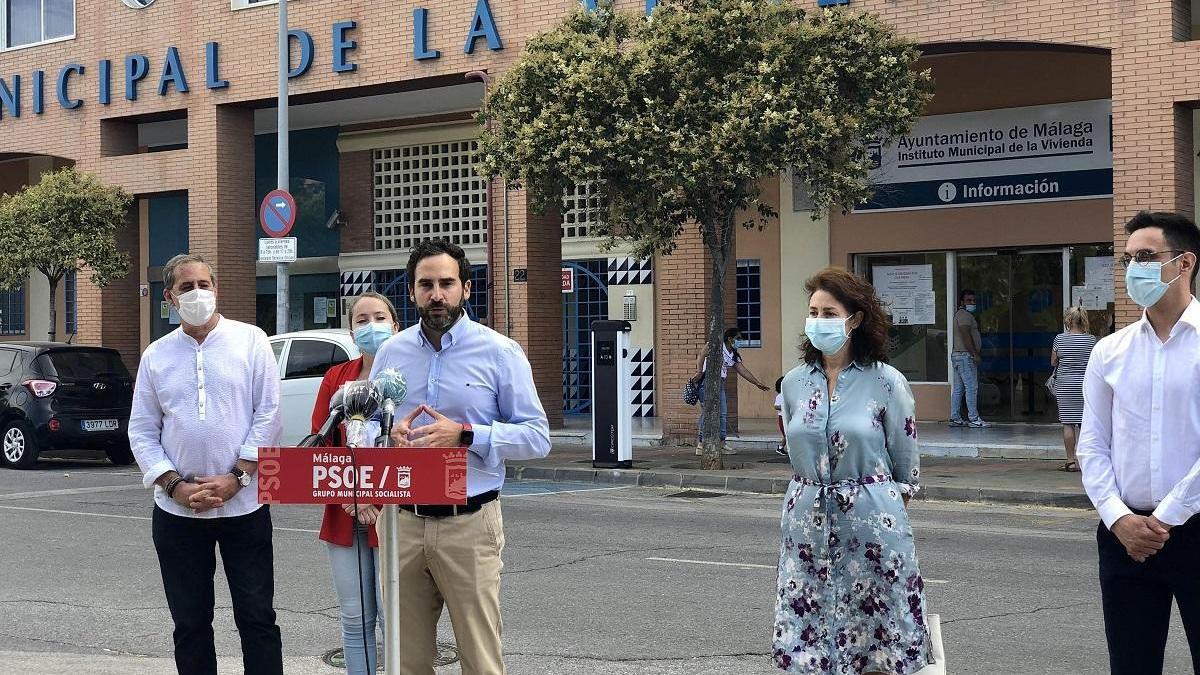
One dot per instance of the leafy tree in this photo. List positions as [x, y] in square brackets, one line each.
[678, 119]
[66, 222]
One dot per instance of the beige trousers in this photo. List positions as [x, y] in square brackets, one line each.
[455, 562]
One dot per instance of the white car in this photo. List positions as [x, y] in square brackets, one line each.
[304, 357]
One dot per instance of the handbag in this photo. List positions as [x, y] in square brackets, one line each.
[691, 392]
[937, 653]
[1051, 381]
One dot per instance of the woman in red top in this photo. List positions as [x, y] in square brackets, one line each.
[372, 321]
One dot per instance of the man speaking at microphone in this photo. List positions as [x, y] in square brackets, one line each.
[468, 386]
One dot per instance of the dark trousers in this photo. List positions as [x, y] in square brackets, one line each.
[1137, 599]
[187, 556]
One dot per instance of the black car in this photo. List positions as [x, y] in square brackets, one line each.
[55, 396]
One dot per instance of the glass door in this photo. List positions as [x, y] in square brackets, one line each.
[1020, 307]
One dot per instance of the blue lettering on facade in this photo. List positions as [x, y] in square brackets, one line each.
[212, 63]
[39, 92]
[63, 89]
[136, 67]
[483, 26]
[172, 73]
[10, 99]
[105, 94]
[305, 40]
[341, 45]
[421, 50]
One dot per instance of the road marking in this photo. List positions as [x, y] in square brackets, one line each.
[563, 492]
[67, 491]
[753, 565]
[124, 517]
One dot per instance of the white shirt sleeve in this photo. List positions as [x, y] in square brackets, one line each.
[1183, 501]
[267, 423]
[1095, 443]
[145, 427]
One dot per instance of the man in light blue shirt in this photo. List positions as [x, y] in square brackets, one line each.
[468, 386]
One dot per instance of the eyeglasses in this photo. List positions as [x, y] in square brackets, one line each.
[1144, 257]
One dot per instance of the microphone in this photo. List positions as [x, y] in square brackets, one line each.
[337, 412]
[361, 401]
[394, 389]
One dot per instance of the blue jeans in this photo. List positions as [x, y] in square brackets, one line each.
[724, 411]
[965, 384]
[346, 565]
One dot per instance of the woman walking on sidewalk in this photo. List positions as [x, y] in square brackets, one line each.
[1069, 358]
[851, 597]
[731, 358]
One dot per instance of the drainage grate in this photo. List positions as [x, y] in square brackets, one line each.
[447, 653]
[697, 494]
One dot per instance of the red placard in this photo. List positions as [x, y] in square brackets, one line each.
[389, 475]
[568, 280]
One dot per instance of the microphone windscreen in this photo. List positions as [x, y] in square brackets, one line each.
[336, 399]
[361, 400]
[391, 385]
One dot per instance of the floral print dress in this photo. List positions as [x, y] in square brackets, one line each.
[851, 597]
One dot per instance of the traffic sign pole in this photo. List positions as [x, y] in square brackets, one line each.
[283, 306]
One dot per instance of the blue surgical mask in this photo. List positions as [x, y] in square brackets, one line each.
[1143, 281]
[370, 337]
[739, 344]
[971, 308]
[827, 335]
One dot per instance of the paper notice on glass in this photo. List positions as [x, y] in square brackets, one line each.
[1092, 298]
[1077, 295]
[1098, 271]
[907, 292]
[320, 310]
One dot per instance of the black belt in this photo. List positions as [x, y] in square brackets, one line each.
[443, 510]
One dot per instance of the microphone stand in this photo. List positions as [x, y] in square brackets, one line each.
[389, 560]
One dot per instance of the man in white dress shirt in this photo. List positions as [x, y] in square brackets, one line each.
[206, 398]
[1140, 449]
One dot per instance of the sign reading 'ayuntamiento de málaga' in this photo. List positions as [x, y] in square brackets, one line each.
[1032, 154]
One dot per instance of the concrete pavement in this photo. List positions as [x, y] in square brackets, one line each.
[758, 469]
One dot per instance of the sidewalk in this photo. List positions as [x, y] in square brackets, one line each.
[755, 469]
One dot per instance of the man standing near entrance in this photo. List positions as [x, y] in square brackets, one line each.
[207, 398]
[1139, 450]
[966, 358]
[470, 387]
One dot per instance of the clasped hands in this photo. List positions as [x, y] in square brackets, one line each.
[1142, 536]
[204, 493]
[443, 432]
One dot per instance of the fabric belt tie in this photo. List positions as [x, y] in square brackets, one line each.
[841, 492]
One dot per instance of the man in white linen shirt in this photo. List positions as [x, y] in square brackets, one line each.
[1140, 449]
[206, 398]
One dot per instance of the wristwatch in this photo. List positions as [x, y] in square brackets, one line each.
[242, 477]
[467, 438]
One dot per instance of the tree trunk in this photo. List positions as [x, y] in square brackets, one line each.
[720, 247]
[53, 309]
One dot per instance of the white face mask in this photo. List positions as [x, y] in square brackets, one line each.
[196, 306]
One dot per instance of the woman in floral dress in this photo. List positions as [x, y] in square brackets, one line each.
[851, 597]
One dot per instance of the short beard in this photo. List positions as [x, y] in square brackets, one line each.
[440, 324]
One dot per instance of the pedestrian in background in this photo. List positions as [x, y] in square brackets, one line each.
[1069, 358]
[468, 387]
[1139, 451]
[730, 358]
[966, 357]
[349, 533]
[850, 593]
[207, 398]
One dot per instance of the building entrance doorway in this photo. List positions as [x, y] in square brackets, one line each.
[1019, 295]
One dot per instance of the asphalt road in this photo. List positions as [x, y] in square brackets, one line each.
[612, 581]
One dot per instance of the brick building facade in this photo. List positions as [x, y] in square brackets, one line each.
[192, 138]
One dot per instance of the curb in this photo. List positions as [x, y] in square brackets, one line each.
[778, 486]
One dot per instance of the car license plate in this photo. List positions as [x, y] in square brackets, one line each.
[101, 425]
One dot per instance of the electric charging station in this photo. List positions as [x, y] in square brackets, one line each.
[612, 404]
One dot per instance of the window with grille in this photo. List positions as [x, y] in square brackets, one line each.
[429, 191]
[12, 312]
[581, 212]
[749, 301]
[70, 304]
[30, 22]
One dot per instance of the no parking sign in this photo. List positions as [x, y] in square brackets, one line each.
[277, 213]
